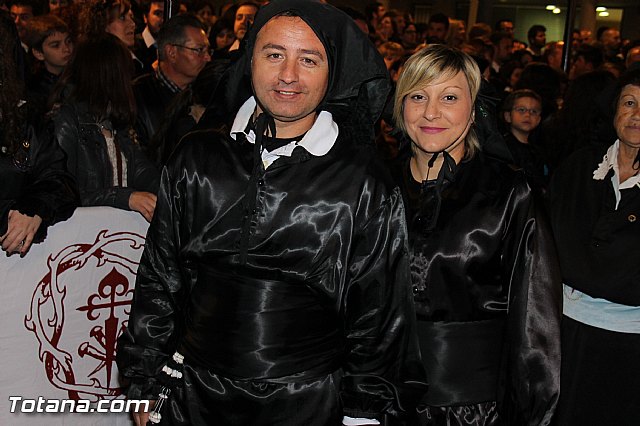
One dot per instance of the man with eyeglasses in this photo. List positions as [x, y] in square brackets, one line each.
[183, 51]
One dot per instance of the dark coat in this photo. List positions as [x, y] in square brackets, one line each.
[35, 182]
[81, 138]
[146, 55]
[152, 100]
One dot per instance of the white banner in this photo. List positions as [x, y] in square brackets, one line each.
[63, 307]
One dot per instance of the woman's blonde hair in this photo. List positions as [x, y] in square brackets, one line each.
[431, 64]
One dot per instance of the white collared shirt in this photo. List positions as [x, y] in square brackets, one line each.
[610, 161]
[234, 46]
[317, 141]
[149, 40]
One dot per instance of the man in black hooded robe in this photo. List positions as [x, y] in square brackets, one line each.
[276, 264]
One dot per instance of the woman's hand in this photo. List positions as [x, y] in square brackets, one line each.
[20, 232]
[144, 203]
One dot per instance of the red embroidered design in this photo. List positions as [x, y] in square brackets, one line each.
[91, 374]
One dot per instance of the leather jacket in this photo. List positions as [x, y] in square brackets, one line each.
[152, 100]
[36, 182]
[80, 136]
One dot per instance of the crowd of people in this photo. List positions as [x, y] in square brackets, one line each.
[354, 217]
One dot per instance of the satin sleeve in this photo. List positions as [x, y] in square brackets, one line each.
[383, 374]
[531, 387]
[149, 339]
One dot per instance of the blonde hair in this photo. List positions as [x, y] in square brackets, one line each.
[429, 65]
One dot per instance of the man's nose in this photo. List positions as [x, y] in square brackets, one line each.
[288, 71]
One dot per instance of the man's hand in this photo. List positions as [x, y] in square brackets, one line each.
[144, 203]
[20, 232]
[141, 417]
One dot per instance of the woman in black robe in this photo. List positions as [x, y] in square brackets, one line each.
[35, 190]
[595, 205]
[485, 280]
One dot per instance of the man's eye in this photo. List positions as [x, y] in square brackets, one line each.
[450, 98]
[309, 61]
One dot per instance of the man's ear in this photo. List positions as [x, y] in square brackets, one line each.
[170, 52]
[507, 116]
[37, 54]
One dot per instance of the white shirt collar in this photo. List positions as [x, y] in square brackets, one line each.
[610, 161]
[317, 141]
[149, 40]
[234, 46]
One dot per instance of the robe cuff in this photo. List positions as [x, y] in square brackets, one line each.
[357, 421]
[144, 389]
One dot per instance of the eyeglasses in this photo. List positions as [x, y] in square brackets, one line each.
[523, 110]
[200, 51]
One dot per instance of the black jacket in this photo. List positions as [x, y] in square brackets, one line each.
[152, 100]
[35, 182]
[80, 137]
[146, 55]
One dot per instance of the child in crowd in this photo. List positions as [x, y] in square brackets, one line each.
[522, 114]
[51, 45]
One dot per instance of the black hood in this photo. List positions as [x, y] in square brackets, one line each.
[358, 79]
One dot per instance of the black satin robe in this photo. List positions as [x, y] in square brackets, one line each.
[487, 296]
[287, 290]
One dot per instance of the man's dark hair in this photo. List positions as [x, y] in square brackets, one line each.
[145, 5]
[370, 9]
[172, 32]
[37, 7]
[591, 54]
[230, 13]
[498, 26]
[534, 30]
[41, 27]
[247, 3]
[440, 18]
